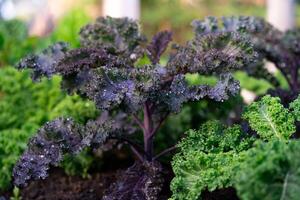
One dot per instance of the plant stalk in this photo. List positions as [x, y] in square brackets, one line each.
[148, 128]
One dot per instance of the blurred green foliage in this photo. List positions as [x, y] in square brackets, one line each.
[68, 27]
[176, 15]
[15, 42]
[270, 171]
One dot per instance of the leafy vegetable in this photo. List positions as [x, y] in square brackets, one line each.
[270, 119]
[208, 159]
[295, 108]
[270, 171]
[213, 137]
[280, 48]
[106, 69]
[214, 157]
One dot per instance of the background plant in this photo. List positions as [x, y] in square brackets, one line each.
[15, 42]
[280, 48]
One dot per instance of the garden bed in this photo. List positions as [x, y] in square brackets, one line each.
[60, 186]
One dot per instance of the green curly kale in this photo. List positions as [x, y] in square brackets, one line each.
[295, 108]
[216, 157]
[199, 171]
[270, 119]
[208, 159]
[213, 137]
[270, 171]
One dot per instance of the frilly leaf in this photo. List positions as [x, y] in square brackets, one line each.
[180, 92]
[56, 139]
[208, 159]
[295, 108]
[213, 137]
[213, 53]
[199, 171]
[270, 170]
[45, 63]
[116, 34]
[270, 119]
[158, 45]
[280, 48]
[47, 148]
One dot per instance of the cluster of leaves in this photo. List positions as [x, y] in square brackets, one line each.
[280, 48]
[116, 68]
[270, 170]
[215, 157]
[207, 159]
[25, 107]
[109, 69]
[253, 77]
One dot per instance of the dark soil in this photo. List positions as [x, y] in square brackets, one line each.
[60, 186]
[221, 194]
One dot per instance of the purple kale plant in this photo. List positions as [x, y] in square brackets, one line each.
[117, 69]
[271, 44]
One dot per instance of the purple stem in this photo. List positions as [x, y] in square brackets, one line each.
[138, 121]
[148, 128]
[168, 150]
[162, 120]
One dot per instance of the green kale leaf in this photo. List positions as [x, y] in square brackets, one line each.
[270, 119]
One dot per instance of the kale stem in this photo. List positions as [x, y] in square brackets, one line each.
[135, 148]
[168, 150]
[148, 128]
[159, 124]
[138, 121]
[137, 153]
